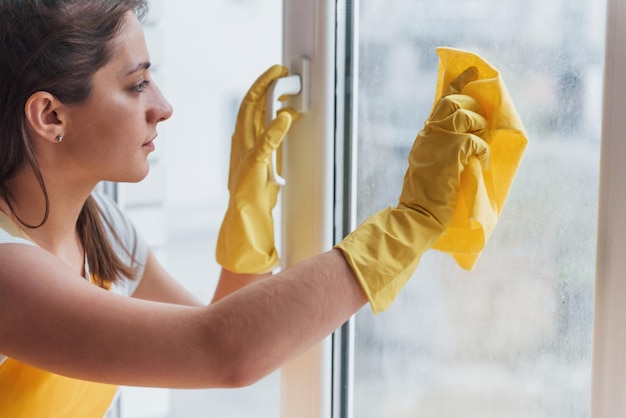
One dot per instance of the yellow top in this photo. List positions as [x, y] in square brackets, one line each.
[483, 192]
[28, 392]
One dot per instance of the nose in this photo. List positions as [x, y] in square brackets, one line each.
[161, 109]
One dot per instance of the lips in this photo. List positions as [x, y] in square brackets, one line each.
[150, 143]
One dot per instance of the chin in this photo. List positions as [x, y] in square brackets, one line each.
[140, 177]
[134, 176]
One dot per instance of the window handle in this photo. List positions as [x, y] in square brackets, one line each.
[295, 85]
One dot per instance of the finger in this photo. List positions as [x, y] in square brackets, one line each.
[480, 150]
[458, 84]
[294, 115]
[447, 105]
[251, 116]
[257, 91]
[461, 121]
[466, 121]
[279, 151]
[273, 136]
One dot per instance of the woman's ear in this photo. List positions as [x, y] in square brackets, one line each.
[42, 116]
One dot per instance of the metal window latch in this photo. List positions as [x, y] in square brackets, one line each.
[295, 85]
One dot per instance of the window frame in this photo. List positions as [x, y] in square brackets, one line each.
[301, 20]
[609, 335]
[308, 167]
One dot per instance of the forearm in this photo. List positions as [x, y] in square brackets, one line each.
[267, 323]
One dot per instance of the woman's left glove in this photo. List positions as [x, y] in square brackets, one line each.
[245, 243]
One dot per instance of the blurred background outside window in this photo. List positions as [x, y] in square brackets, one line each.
[513, 337]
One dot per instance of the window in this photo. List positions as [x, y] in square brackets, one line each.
[514, 337]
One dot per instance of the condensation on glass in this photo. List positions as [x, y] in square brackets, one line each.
[513, 337]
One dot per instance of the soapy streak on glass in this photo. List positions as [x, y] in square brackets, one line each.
[513, 337]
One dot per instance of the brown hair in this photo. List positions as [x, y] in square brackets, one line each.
[57, 46]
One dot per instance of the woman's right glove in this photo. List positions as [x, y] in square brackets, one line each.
[384, 250]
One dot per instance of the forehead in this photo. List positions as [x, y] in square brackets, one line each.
[129, 46]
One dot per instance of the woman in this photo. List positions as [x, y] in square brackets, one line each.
[77, 107]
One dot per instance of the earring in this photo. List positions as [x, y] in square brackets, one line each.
[59, 138]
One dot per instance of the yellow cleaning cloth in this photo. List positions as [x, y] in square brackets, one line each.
[483, 192]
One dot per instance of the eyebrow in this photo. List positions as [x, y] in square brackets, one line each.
[140, 67]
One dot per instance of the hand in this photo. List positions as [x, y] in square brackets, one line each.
[450, 137]
[384, 251]
[246, 239]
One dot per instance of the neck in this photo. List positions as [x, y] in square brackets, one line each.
[25, 204]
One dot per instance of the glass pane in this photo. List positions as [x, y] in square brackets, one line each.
[513, 337]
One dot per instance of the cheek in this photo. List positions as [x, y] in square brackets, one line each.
[108, 133]
[116, 130]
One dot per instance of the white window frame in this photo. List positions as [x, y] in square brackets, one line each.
[307, 383]
[317, 160]
[608, 394]
[307, 197]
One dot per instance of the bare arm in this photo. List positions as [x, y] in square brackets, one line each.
[54, 320]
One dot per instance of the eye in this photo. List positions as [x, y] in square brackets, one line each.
[138, 88]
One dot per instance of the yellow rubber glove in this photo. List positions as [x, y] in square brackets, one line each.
[384, 251]
[245, 243]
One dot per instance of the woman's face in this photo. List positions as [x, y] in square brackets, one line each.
[109, 136]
